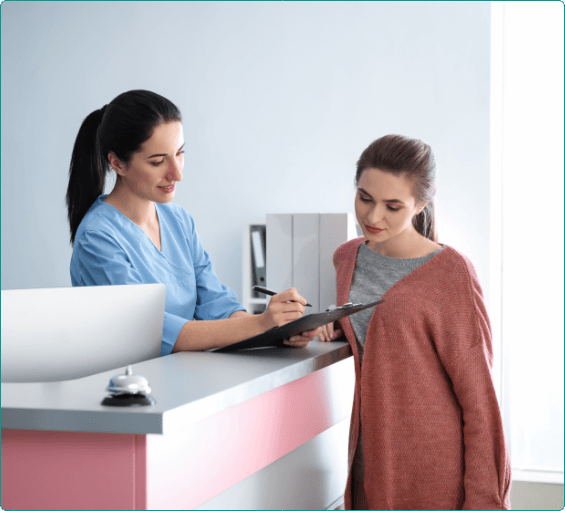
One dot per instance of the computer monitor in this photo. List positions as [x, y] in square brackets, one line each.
[66, 333]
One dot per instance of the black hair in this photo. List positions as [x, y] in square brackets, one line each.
[120, 127]
[412, 158]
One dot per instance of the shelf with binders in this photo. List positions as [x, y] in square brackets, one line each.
[254, 267]
[300, 250]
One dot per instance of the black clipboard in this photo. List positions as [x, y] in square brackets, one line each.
[276, 336]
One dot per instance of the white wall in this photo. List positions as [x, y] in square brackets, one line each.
[529, 138]
[279, 100]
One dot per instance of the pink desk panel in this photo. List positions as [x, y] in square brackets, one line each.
[76, 470]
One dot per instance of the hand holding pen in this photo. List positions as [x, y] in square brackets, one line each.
[326, 333]
[284, 307]
[270, 292]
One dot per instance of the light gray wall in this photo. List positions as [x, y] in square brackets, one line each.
[278, 99]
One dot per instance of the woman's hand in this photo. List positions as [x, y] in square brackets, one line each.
[330, 332]
[283, 307]
[302, 340]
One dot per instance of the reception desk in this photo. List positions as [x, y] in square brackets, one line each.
[263, 429]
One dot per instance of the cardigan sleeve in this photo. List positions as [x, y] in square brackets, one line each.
[487, 464]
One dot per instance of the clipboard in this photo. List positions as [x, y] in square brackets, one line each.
[275, 336]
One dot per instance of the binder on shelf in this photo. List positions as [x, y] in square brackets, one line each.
[258, 257]
[300, 251]
[279, 251]
[334, 229]
[305, 257]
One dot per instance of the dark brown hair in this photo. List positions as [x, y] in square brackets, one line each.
[410, 158]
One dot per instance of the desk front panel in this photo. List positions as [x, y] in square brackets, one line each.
[188, 467]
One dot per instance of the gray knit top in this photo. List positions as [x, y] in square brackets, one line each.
[373, 276]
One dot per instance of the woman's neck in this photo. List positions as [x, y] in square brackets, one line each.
[408, 244]
[140, 211]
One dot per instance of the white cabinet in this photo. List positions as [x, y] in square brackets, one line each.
[299, 253]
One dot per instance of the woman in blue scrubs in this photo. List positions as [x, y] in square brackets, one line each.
[134, 235]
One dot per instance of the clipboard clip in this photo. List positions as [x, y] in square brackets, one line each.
[347, 305]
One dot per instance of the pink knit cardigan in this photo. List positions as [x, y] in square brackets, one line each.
[432, 429]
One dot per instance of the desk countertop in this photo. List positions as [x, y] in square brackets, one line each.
[188, 387]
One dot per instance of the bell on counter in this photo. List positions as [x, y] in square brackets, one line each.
[129, 390]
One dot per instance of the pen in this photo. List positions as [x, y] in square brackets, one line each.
[267, 291]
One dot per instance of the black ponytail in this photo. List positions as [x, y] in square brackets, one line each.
[119, 128]
[86, 174]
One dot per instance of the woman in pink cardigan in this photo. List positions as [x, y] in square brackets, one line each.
[426, 430]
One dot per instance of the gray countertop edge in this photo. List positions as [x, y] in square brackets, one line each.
[180, 417]
[170, 418]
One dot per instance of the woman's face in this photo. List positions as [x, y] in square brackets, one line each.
[154, 170]
[384, 206]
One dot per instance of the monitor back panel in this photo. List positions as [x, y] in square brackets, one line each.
[66, 333]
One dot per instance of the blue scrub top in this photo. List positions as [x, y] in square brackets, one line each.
[111, 249]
